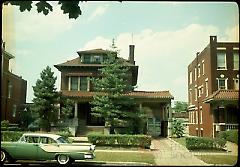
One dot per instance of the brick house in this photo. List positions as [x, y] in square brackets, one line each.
[13, 90]
[213, 89]
[75, 85]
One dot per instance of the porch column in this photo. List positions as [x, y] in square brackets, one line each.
[169, 119]
[76, 110]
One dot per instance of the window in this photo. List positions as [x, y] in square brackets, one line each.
[200, 119]
[196, 117]
[222, 83]
[74, 83]
[97, 59]
[86, 58]
[190, 96]
[195, 74]
[9, 89]
[221, 60]
[206, 87]
[203, 67]
[199, 91]
[199, 70]
[83, 83]
[236, 83]
[193, 118]
[190, 77]
[14, 110]
[235, 61]
[196, 93]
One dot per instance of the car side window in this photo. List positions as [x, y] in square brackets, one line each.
[32, 139]
[51, 141]
[46, 140]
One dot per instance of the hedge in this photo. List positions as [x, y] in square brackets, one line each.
[193, 143]
[142, 141]
[11, 135]
[230, 135]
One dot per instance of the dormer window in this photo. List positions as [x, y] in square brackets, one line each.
[97, 59]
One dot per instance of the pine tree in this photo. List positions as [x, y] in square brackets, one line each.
[111, 101]
[46, 98]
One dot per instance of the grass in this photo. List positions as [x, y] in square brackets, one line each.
[219, 159]
[144, 157]
[181, 140]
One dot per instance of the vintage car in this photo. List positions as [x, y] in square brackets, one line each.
[39, 146]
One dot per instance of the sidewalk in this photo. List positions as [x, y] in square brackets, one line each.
[168, 152]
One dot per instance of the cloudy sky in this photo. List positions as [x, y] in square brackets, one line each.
[166, 38]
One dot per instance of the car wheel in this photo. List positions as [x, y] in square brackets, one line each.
[63, 159]
[3, 156]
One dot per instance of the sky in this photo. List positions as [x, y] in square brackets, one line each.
[166, 35]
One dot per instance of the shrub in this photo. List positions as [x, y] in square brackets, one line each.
[230, 135]
[177, 128]
[142, 141]
[5, 123]
[193, 143]
[10, 135]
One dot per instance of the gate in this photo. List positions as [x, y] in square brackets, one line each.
[154, 126]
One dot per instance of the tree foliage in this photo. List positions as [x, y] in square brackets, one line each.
[180, 106]
[111, 101]
[45, 99]
[71, 8]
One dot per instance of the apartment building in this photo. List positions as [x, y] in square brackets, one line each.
[213, 89]
[76, 85]
[13, 90]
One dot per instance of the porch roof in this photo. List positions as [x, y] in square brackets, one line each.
[135, 94]
[228, 95]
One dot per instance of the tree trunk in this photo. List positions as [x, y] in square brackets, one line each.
[112, 129]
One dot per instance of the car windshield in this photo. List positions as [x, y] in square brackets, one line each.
[61, 140]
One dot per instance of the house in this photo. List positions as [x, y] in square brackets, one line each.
[75, 85]
[13, 90]
[213, 89]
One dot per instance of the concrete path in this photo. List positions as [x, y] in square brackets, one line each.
[169, 153]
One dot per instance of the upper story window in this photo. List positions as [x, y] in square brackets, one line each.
[236, 83]
[221, 60]
[203, 67]
[190, 77]
[74, 83]
[97, 59]
[222, 83]
[235, 61]
[199, 70]
[9, 89]
[83, 83]
[78, 83]
[195, 74]
[206, 87]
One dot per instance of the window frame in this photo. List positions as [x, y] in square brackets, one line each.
[225, 60]
[235, 61]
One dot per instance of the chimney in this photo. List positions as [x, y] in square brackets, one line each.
[213, 39]
[131, 54]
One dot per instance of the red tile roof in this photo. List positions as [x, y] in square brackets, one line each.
[223, 95]
[135, 94]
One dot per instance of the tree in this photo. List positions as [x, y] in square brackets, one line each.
[111, 101]
[46, 99]
[180, 106]
[70, 7]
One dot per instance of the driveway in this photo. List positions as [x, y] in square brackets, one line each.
[168, 152]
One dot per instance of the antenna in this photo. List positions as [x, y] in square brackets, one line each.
[132, 38]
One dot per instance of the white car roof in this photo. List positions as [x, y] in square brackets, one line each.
[53, 136]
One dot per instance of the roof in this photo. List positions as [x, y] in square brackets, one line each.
[77, 63]
[53, 136]
[7, 54]
[135, 94]
[223, 95]
[93, 51]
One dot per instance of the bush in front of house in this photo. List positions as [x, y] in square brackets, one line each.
[230, 135]
[177, 128]
[142, 141]
[11, 135]
[197, 143]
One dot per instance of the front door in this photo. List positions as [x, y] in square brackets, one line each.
[154, 126]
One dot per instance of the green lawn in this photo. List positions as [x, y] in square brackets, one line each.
[181, 140]
[145, 157]
[219, 159]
